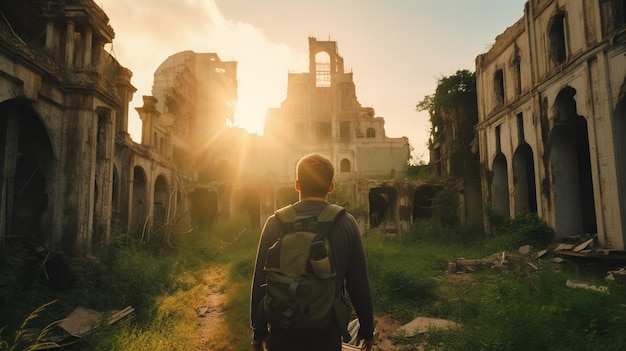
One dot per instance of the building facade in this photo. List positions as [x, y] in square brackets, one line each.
[71, 174]
[551, 101]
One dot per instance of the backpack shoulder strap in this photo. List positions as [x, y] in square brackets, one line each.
[330, 213]
[286, 216]
[327, 218]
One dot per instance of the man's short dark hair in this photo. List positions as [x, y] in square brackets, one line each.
[315, 175]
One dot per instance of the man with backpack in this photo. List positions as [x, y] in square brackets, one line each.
[308, 254]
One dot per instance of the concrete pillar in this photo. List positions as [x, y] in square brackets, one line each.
[87, 45]
[69, 44]
[49, 36]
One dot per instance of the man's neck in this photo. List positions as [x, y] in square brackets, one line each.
[313, 198]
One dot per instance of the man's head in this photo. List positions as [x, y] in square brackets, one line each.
[314, 176]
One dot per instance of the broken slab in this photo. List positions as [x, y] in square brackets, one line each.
[582, 285]
[422, 325]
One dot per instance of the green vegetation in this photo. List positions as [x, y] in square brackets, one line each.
[511, 308]
[164, 284]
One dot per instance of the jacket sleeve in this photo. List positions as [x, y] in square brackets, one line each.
[258, 321]
[358, 283]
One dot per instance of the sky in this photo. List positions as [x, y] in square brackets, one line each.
[396, 49]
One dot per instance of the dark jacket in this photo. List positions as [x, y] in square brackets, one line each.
[349, 260]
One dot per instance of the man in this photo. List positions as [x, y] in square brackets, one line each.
[314, 181]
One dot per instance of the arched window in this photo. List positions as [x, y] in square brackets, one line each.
[370, 133]
[345, 166]
[322, 70]
[556, 36]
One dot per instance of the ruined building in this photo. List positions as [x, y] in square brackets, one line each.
[552, 111]
[71, 173]
[321, 114]
[63, 103]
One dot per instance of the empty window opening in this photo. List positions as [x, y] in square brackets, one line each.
[613, 15]
[517, 66]
[524, 180]
[322, 70]
[370, 133]
[571, 169]
[498, 86]
[161, 201]
[423, 201]
[520, 128]
[383, 207]
[556, 37]
[247, 203]
[345, 166]
[31, 174]
[323, 131]
[203, 207]
[139, 210]
[344, 131]
[498, 139]
[500, 187]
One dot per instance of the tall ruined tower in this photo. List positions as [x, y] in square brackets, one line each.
[322, 114]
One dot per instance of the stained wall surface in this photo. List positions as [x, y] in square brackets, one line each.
[551, 110]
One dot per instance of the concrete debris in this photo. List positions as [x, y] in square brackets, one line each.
[617, 275]
[461, 265]
[202, 311]
[422, 325]
[582, 285]
[525, 250]
[80, 322]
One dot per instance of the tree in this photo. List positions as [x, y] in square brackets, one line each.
[453, 114]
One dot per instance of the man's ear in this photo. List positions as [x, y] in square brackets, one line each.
[331, 187]
[297, 185]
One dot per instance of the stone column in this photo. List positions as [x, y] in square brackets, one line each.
[87, 45]
[69, 44]
[49, 36]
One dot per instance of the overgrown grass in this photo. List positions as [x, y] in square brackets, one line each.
[516, 308]
[163, 283]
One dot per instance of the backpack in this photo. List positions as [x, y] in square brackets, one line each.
[301, 293]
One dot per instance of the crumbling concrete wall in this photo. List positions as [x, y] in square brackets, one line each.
[59, 105]
[549, 118]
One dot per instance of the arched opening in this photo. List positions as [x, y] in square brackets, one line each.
[139, 211]
[322, 70]
[345, 166]
[286, 196]
[383, 208]
[571, 169]
[161, 201]
[27, 168]
[370, 133]
[247, 202]
[500, 187]
[423, 201]
[203, 207]
[524, 180]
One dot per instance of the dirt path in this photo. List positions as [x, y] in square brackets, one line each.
[212, 333]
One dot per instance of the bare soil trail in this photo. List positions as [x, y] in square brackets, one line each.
[212, 333]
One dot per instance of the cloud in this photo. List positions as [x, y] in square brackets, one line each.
[149, 32]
